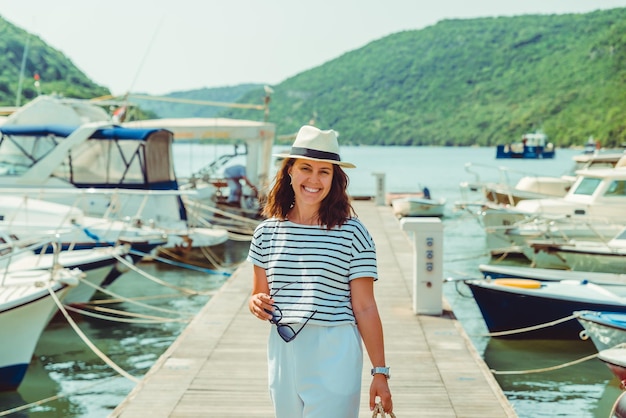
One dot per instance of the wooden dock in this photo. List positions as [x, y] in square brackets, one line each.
[217, 367]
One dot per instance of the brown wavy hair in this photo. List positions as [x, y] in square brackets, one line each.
[334, 210]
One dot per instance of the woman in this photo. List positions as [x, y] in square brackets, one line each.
[314, 269]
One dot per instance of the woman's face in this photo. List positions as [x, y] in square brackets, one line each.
[311, 181]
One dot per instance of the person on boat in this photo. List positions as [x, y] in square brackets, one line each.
[426, 193]
[234, 174]
[314, 268]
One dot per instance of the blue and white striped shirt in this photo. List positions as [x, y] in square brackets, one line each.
[309, 268]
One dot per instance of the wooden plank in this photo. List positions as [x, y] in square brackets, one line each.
[217, 366]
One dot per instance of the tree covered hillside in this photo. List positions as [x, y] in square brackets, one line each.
[56, 72]
[464, 82]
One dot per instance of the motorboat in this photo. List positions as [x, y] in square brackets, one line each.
[415, 206]
[106, 171]
[533, 145]
[606, 329]
[528, 309]
[26, 307]
[69, 227]
[251, 145]
[529, 186]
[597, 198]
[134, 177]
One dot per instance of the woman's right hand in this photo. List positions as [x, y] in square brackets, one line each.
[259, 305]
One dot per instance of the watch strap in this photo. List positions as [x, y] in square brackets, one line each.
[381, 370]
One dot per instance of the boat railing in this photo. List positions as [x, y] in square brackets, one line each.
[12, 249]
[501, 179]
[557, 223]
[503, 174]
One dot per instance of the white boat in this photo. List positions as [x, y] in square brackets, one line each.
[34, 219]
[416, 206]
[26, 306]
[107, 171]
[252, 143]
[117, 176]
[597, 198]
[100, 266]
[528, 186]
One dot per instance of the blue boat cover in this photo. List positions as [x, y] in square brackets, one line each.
[115, 132]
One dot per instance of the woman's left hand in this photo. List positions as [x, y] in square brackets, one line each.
[380, 388]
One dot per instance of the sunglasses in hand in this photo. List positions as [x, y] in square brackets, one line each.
[286, 332]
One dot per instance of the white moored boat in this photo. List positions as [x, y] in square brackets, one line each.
[26, 306]
[417, 206]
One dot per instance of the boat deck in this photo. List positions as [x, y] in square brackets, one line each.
[217, 366]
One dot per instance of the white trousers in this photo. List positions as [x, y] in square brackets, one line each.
[317, 375]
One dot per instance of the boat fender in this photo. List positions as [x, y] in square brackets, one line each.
[517, 282]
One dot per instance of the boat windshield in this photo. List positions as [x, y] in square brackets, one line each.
[587, 186]
[17, 157]
[621, 236]
[616, 188]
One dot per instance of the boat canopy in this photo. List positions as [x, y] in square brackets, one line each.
[258, 138]
[108, 156]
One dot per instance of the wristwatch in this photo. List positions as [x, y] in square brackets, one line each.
[381, 370]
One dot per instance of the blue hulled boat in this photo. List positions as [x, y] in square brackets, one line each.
[516, 304]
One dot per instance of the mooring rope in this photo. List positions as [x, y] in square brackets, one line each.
[545, 369]
[527, 329]
[147, 319]
[559, 366]
[129, 300]
[177, 264]
[86, 340]
[156, 279]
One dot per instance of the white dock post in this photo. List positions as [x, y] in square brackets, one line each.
[380, 188]
[427, 236]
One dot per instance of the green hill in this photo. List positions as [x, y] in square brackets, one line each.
[463, 82]
[57, 74]
[459, 82]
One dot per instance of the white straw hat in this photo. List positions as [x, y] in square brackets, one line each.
[314, 144]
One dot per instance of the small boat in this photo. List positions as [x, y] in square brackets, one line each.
[26, 306]
[606, 329]
[592, 146]
[533, 145]
[415, 206]
[509, 305]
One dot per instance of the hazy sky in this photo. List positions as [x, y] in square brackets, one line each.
[158, 46]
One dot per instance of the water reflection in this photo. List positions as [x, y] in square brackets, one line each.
[587, 387]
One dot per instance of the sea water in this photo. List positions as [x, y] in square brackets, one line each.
[67, 379]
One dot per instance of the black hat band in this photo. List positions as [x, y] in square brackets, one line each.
[312, 153]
